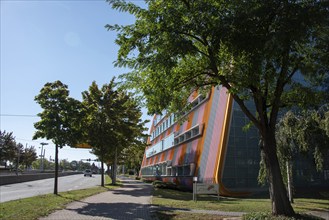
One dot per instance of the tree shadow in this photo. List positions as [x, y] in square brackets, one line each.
[164, 213]
[116, 210]
[136, 190]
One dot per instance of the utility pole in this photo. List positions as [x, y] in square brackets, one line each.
[42, 154]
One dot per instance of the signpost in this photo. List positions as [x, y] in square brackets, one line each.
[204, 188]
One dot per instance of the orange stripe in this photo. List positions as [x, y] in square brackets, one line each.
[223, 141]
[222, 151]
[162, 156]
[171, 154]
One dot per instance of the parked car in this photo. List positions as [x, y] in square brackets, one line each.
[87, 173]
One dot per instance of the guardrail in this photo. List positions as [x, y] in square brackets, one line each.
[10, 179]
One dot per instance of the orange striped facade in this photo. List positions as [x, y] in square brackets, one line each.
[196, 147]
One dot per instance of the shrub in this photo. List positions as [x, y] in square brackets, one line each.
[164, 185]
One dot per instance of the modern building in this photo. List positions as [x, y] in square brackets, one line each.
[210, 144]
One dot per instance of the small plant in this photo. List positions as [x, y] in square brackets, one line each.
[147, 181]
[164, 185]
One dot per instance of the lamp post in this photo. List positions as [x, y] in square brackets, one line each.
[195, 180]
[42, 155]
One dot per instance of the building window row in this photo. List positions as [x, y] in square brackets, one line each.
[196, 103]
[165, 169]
[160, 128]
[162, 145]
[189, 134]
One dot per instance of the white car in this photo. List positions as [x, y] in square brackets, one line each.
[87, 173]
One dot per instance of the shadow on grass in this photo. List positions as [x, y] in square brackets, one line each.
[166, 213]
[70, 195]
[188, 196]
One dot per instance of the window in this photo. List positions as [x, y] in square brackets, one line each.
[189, 134]
[186, 170]
[174, 171]
[169, 173]
[195, 131]
[180, 171]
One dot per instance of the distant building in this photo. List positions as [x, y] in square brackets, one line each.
[210, 144]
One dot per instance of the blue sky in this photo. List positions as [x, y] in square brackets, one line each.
[44, 41]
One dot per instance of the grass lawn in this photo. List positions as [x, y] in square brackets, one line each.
[183, 200]
[38, 206]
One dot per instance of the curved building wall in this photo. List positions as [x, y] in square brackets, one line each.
[197, 142]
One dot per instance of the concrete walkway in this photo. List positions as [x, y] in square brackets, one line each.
[132, 201]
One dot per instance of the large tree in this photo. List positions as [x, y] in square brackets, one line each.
[258, 50]
[7, 147]
[60, 120]
[113, 122]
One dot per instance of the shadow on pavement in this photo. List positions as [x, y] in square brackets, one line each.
[115, 210]
[136, 190]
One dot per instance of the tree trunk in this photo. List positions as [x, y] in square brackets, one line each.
[114, 180]
[278, 193]
[56, 170]
[291, 199]
[102, 172]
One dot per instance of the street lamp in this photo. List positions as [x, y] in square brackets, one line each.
[42, 154]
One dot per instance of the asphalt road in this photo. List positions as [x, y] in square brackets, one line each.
[46, 186]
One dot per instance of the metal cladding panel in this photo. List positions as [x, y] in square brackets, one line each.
[177, 154]
[213, 132]
[216, 135]
[208, 135]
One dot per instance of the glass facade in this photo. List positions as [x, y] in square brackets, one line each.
[242, 153]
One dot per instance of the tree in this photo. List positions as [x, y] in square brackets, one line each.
[301, 133]
[74, 165]
[65, 164]
[28, 155]
[61, 119]
[304, 132]
[256, 49]
[83, 166]
[113, 122]
[132, 156]
[7, 147]
[48, 165]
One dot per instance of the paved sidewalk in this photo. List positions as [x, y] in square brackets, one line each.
[132, 201]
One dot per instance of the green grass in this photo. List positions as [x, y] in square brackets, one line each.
[183, 200]
[38, 206]
[165, 215]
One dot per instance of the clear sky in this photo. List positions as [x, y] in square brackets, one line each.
[44, 41]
